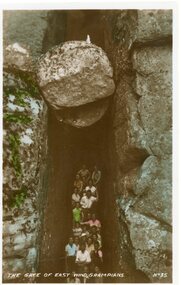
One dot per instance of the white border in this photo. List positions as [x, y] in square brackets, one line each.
[128, 4]
[86, 4]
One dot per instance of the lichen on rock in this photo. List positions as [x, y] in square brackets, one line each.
[25, 147]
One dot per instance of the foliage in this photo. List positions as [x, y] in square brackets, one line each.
[17, 118]
[15, 159]
[19, 198]
[28, 86]
[24, 87]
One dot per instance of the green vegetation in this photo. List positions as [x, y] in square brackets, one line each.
[28, 85]
[19, 94]
[15, 159]
[17, 118]
[32, 87]
[19, 198]
[24, 87]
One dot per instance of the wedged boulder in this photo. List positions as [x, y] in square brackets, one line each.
[83, 116]
[75, 73]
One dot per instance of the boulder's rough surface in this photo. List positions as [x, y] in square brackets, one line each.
[74, 74]
[25, 148]
[76, 80]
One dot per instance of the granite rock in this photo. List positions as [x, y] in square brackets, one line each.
[75, 73]
[17, 57]
[153, 25]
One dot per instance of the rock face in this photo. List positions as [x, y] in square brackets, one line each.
[72, 77]
[153, 25]
[154, 77]
[25, 148]
[17, 57]
[142, 129]
[20, 25]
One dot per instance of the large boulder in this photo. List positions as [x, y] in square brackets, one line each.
[75, 73]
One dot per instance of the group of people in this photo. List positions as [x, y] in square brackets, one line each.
[84, 248]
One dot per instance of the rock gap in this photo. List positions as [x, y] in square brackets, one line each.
[69, 148]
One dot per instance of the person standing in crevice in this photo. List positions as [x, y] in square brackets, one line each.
[70, 251]
[86, 226]
[84, 173]
[82, 258]
[91, 187]
[78, 183]
[96, 176]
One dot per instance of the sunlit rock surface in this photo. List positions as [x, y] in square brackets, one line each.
[74, 78]
[74, 74]
[17, 57]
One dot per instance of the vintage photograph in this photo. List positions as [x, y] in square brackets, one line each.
[87, 146]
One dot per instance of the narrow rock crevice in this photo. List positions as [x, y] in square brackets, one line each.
[117, 116]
